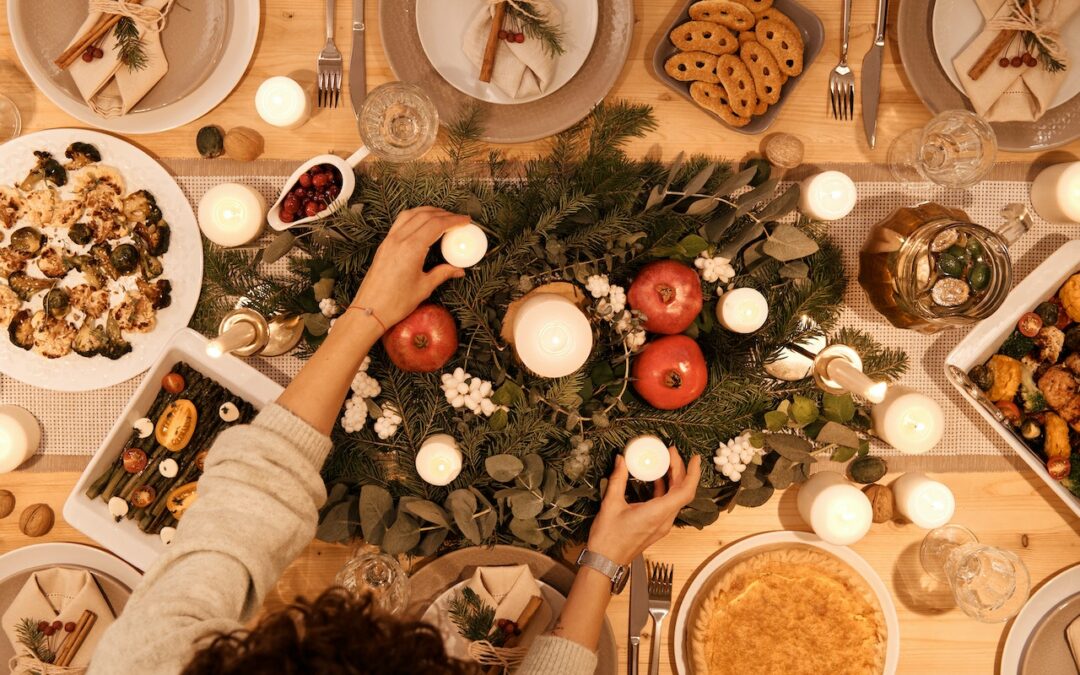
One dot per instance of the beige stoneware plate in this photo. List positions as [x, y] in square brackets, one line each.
[1036, 643]
[208, 43]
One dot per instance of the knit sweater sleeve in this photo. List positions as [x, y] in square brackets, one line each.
[256, 512]
[551, 655]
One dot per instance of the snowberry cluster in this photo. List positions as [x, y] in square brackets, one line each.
[733, 457]
[355, 415]
[580, 458]
[611, 306]
[715, 268]
[388, 424]
[329, 308]
[465, 391]
[364, 385]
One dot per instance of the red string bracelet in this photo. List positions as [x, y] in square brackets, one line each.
[368, 312]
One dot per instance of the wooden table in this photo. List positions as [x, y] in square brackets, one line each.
[1013, 510]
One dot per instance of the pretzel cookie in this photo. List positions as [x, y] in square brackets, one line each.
[724, 12]
[756, 5]
[713, 98]
[692, 66]
[764, 69]
[704, 36]
[737, 81]
[786, 46]
[773, 14]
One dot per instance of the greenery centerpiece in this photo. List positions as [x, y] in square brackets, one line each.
[534, 466]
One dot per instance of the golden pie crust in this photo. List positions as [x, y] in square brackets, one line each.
[794, 611]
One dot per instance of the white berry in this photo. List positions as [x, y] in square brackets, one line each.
[598, 285]
[329, 307]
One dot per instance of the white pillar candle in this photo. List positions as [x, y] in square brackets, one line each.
[20, 435]
[647, 458]
[909, 421]
[241, 334]
[856, 381]
[925, 502]
[438, 461]
[1055, 193]
[552, 337]
[464, 245]
[232, 214]
[829, 195]
[836, 510]
[743, 310]
[282, 102]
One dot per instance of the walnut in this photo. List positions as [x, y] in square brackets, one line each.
[7, 503]
[881, 499]
[36, 520]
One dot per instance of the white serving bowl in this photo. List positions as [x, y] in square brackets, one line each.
[986, 337]
[348, 184]
[91, 517]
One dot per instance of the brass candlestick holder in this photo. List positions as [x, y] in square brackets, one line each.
[245, 332]
[838, 370]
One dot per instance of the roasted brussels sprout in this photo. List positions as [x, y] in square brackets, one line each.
[102, 255]
[149, 265]
[141, 207]
[21, 330]
[155, 236]
[28, 240]
[115, 344]
[47, 169]
[57, 303]
[81, 234]
[89, 267]
[81, 154]
[158, 293]
[983, 377]
[26, 286]
[125, 258]
[90, 339]
[1072, 338]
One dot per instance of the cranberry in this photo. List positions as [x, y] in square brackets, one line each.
[503, 34]
[326, 168]
[69, 627]
[333, 191]
[519, 38]
[311, 209]
[57, 625]
[286, 216]
[309, 193]
[299, 191]
[1016, 61]
[49, 632]
[1030, 61]
[42, 625]
[98, 53]
[291, 203]
[1003, 62]
[305, 180]
[321, 179]
[88, 56]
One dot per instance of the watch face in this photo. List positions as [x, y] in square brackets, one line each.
[618, 583]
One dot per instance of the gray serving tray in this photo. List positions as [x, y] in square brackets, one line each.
[813, 34]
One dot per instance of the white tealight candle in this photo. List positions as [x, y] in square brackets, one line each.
[464, 245]
[925, 502]
[909, 421]
[647, 458]
[231, 214]
[829, 195]
[20, 435]
[836, 510]
[282, 102]
[552, 337]
[743, 310]
[1055, 193]
[438, 461]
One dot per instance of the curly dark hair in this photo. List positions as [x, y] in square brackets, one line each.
[338, 633]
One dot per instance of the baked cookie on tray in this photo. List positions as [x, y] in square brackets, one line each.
[704, 36]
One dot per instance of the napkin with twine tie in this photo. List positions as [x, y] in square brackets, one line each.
[59, 594]
[522, 69]
[508, 589]
[1014, 94]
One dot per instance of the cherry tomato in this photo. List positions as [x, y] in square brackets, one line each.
[143, 496]
[134, 460]
[173, 383]
[1030, 324]
[1009, 409]
[1058, 467]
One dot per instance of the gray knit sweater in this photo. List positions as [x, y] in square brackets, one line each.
[256, 512]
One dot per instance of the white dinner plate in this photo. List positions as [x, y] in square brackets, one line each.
[456, 645]
[771, 540]
[441, 25]
[40, 556]
[183, 264]
[957, 22]
[209, 45]
[1044, 602]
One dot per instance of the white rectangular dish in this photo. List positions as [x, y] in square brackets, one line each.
[986, 337]
[91, 517]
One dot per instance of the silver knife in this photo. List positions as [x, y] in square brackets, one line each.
[357, 76]
[871, 75]
[639, 609]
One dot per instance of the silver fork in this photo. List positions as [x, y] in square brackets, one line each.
[329, 65]
[841, 80]
[660, 576]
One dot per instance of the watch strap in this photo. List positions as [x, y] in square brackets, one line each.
[610, 569]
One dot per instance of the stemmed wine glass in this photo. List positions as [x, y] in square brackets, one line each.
[955, 149]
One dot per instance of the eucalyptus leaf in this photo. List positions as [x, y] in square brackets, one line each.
[551, 486]
[795, 269]
[754, 497]
[656, 196]
[402, 536]
[775, 420]
[735, 182]
[731, 249]
[782, 474]
[426, 510]
[751, 479]
[803, 410]
[834, 433]
[673, 171]
[526, 505]
[697, 518]
[716, 228]
[335, 526]
[508, 394]
[462, 505]
[376, 512]
[503, 468]
[787, 242]
[498, 420]
[842, 454]
[700, 207]
[781, 206]
[602, 373]
[316, 323]
[338, 492]
[431, 541]
[527, 530]
[534, 471]
[749, 200]
[753, 254]
[373, 408]
[277, 248]
[790, 446]
[838, 408]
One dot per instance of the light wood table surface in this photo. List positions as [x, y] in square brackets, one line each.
[1013, 510]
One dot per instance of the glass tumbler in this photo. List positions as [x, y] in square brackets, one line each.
[398, 122]
[956, 149]
[988, 583]
[10, 119]
[369, 571]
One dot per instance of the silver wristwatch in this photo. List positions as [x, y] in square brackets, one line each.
[617, 573]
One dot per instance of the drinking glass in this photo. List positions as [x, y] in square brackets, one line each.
[369, 571]
[955, 149]
[10, 120]
[398, 122]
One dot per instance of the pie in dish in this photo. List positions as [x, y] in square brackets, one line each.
[795, 611]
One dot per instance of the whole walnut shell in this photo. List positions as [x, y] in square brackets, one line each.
[243, 144]
[7, 503]
[882, 501]
[36, 520]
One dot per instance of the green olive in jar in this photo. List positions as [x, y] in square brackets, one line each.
[959, 252]
[979, 276]
[974, 249]
[950, 265]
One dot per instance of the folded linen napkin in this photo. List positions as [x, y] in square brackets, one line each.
[1072, 633]
[60, 594]
[1012, 94]
[508, 589]
[522, 69]
[109, 87]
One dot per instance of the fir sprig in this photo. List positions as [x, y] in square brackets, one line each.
[34, 640]
[536, 26]
[129, 44]
[1049, 63]
[474, 619]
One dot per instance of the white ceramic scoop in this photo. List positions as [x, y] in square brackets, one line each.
[348, 184]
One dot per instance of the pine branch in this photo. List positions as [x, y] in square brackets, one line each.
[474, 620]
[536, 26]
[35, 641]
[129, 43]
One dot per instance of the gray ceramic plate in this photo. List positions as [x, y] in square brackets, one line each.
[524, 121]
[916, 41]
[813, 34]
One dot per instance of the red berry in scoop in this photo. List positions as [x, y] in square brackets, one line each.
[287, 216]
[304, 180]
[1016, 61]
[98, 53]
[311, 209]
[49, 632]
[320, 179]
[88, 56]
[57, 625]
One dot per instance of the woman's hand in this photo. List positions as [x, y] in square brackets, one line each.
[396, 282]
[621, 531]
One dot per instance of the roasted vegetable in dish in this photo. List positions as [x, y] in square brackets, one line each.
[47, 169]
[81, 234]
[26, 286]
[57, 303]
[115, 344]
[81, 154]
[89, 340]
[156, 237]
[28, 240]
[20, 330]
[124, 258]
[141, 207]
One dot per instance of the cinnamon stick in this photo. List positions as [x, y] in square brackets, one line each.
[96, 32]
[993, 50]
[74, 641]
[522, 623]
[488, 66]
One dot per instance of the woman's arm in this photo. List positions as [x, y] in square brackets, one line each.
[261, 490]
